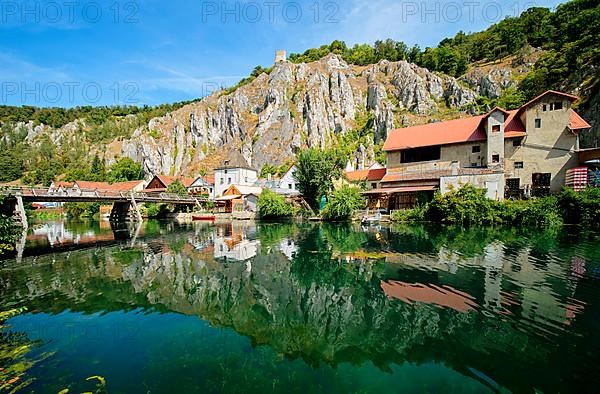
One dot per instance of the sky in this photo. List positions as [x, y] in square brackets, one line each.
[78, 52]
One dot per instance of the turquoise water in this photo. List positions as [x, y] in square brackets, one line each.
[305, 308]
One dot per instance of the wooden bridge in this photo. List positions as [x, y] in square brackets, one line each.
[125, 204]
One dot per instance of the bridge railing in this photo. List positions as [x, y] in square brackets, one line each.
[98, 194]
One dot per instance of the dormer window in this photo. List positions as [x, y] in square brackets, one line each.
[496, 128]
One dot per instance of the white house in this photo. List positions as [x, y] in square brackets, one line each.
[286, 185]
[227, 176]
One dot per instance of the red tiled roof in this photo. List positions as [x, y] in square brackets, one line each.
[124, 186]
[440, 133]
[577, 122]
[86, 185]
[105, 186]
[451, 132]
[210, 179]
[366, 175]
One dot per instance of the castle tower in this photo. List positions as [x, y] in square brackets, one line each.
[280, 56]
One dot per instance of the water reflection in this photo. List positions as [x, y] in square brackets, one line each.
[504, 308]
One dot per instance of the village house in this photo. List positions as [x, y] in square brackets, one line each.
[160, 183]
[521, 152]
[370, 177]
[239, 198]
[203, 186]
[285, 186]
[229, 175]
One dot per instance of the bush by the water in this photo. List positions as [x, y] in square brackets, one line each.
[342, 203]
[580, 207]
[469, 206]
[273, 206]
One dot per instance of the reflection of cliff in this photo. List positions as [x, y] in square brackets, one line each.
[331, 309]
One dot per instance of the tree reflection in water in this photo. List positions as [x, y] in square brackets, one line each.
[505, 307]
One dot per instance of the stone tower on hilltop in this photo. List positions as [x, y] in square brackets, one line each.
[280, 56]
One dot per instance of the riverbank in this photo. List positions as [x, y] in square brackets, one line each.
[469, 206]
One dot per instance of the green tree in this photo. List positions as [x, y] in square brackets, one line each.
[177, 187]
[343, 203]
[97, 170]
[125, 169]
[315, 171]
[273, 206]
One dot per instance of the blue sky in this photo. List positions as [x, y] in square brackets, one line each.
[79, 52]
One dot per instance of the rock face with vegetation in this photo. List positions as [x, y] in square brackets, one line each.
[328, 96]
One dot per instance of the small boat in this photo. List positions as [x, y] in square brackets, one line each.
[207, 217]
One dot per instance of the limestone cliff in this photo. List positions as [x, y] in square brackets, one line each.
[296, 105]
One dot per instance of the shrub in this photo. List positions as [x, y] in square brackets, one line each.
[467, 205]
[580, 207]
[417, 214]
[343, 203]
[273, 206]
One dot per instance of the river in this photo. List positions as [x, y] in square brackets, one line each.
[251, 307]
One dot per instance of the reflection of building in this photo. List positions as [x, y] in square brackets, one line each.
[288, 247]
[232, 243]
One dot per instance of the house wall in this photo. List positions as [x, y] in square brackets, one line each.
[549, 149]
[463, 153]
[155, 183]
[233, 176]
[287, 182]
[495, 139]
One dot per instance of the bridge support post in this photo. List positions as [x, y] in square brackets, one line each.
[13, 206]
[120, 211]
[136, 209]
[126, 211]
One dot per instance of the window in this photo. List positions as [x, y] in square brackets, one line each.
[495, 158]
[229, 180]
[538, 123]
[225, 171]
[373, 186]
[496, 128]
[473, 164]
[222, 181]
[518, 165]
[558, 105]
[544, 107]
[517, 142]
[290, 186]
[428, 153]
[476, 149]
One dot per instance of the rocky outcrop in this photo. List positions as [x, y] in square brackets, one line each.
[296, 105]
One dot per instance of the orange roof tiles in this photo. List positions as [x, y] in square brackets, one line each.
[366, 175]
[440, 133]
[577, 122]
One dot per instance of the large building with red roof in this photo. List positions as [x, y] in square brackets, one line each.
[525, 151]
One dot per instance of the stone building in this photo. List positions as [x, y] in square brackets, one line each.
[521, 152]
